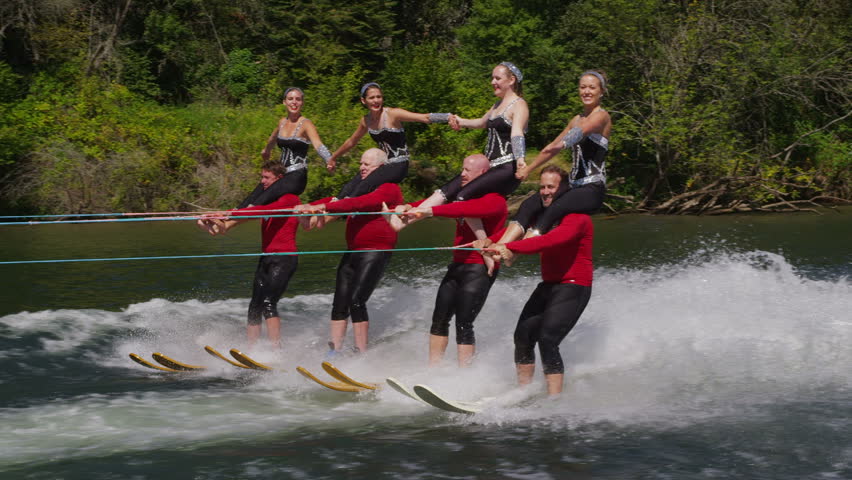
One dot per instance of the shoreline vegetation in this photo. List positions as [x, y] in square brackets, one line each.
[718, 107]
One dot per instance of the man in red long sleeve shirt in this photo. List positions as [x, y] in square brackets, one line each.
[359, 272]
[465, 286]
[278, 235]
[558, 301]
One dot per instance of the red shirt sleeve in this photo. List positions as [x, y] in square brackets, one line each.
[488, 205]
[321, 201]
[569, 230]
[388, 193]
[286, 201]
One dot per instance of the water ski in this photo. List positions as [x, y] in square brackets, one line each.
[337, 374]
[248, 361]
[338, 386]
[429, 396]
[146, 363]
[215, 353]
[403, 389]
[174, 364]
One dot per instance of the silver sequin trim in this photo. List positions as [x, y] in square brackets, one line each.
[572, 137]
[324, 153]
[501, 160]
[439, 117]
[587, 180]
[519, 146]
[399, 159]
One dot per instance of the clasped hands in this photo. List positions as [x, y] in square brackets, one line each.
[213, 223]
[496, 251]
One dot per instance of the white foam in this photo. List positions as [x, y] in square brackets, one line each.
[669, 345]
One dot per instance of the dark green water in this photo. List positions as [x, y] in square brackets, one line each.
[711, 348]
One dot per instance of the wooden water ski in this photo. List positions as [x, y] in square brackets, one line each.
[215, 353]
[248, 361]
[339, 386]
[174, 364]
[337, 374]
[146, 363]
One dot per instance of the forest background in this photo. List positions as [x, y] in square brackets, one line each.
[128, 105]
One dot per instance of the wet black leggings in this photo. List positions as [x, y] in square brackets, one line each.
[462, 293]
[551, 312]
[500, 179]
[270, 282]
[293, 182]
[357, 277]
[387, 173]
[586, 199]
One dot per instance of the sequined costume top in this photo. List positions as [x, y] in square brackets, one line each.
[589, 160]
[294, 149]
[498, 147]
[391, 140]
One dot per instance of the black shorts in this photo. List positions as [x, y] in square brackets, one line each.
[292, 182]
[585, 199]
[462, 293]
[270, 282]
[357, 276]
[387, 173]
[551, 312]
[500, 179]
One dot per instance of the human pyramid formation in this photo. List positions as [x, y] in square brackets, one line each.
[555, 222]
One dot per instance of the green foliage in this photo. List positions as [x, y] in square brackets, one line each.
[241, 76]
[10, 83]
[171, 103]
[136, 73]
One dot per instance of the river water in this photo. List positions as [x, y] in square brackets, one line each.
[711, 348]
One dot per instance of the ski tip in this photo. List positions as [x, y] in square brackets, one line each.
[338, 375]
[145, 363]
[174, 364]
[248, 361]
[215, 353]
[432, 398]
[338, 386]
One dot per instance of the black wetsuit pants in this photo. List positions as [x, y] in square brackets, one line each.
[270, 282]
[551, 312]
[462, 293]
[387, 173]
[293, 182]
[500, 179]
[585, 199]
[357, 276]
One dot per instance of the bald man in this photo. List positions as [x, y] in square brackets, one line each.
[465, 286]
[359, 272]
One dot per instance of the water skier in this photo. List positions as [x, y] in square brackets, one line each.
[293, 135]
[506, 123]
[384, 124]
[468, 280]
[273, 273]
[359, 272]
[587, 136]
[558, 301]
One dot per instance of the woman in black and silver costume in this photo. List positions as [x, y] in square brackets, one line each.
[293, 135]
[384, 125]
[587, 136]
[506, 123]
